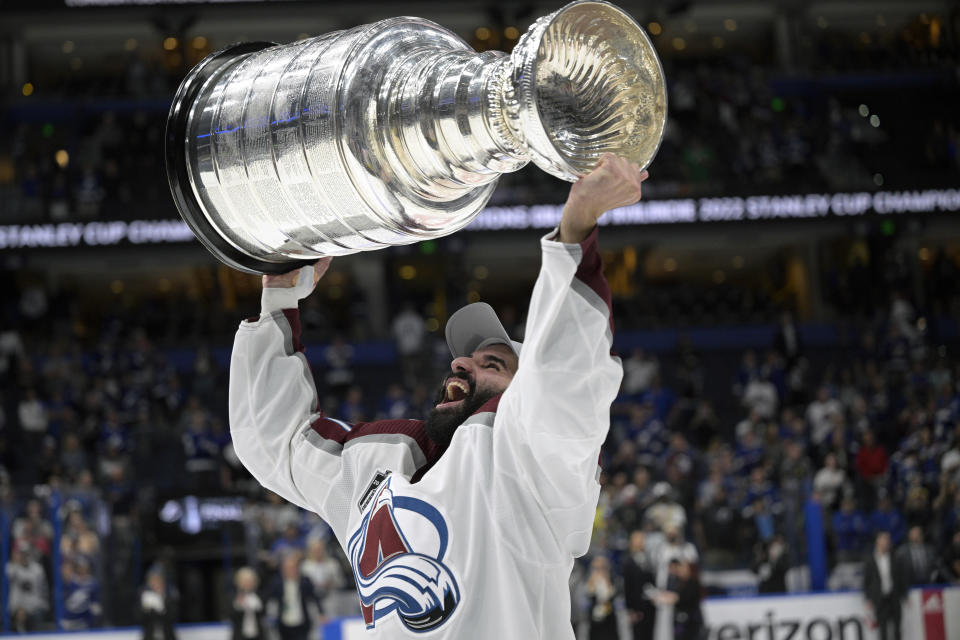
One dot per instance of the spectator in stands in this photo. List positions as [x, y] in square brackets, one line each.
[760, 396]
[948, 504]
[395, 405]
[157, 610]
[338, 357]
[353, 408]
[916, 506]
[409, 331]
[884, 587]
[872, 463]
[704, 426]
[638, 584]
[11, 352]
[829, 481]
[28, 599]
[787, 341]
[950, 461]
[749, 454]
[749, 370]
[290, 542]
[951, 559]
[292, 602]
[247, 611]
[887, 518]
[916, 559]
[33, 420]
[323, 571]
[820, 415]
[684, 585]
[81, 595]
[665, 513]
[78, 540]
[201, 451]
[644, 431]
[849, 529]
[719, 531]
[73, 458]
[771, 565]
[628, 508]
[673, 547]
[681, 467]
[34, 529]
[600, 594]
[639, 371]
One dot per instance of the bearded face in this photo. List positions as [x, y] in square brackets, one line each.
[473, 381]
[458, 398]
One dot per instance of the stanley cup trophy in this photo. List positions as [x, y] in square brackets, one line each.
[396, 132]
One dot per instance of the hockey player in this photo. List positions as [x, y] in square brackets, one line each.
[465, 524]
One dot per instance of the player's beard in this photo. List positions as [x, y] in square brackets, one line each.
[442, 423]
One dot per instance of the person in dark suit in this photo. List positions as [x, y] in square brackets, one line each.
[771, 565]
[684, 584]
[638, 580]
[292, 600]
[885, 587]
[917, 560]
[158, 609]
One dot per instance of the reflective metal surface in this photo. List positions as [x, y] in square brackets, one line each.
[396, 132]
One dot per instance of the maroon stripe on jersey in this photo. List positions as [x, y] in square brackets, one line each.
[412, 428]
[293, 318]
[590, 271]
[330, 429]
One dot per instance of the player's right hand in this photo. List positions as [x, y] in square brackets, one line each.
[304, 279]
[614, 182]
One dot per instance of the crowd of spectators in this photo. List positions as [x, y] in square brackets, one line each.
[704, 478]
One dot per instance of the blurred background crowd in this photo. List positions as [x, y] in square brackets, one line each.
[790, 390]
[716, 458]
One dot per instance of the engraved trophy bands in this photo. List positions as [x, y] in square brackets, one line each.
[396, 132]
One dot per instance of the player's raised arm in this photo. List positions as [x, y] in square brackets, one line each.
[555, 414]
[273, 400]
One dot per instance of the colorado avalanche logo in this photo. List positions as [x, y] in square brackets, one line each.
[394, 576]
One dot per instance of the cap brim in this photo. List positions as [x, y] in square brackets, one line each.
[476, 326]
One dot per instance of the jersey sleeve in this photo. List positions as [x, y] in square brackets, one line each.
[285, 441]
[554, 416]
[273, 405]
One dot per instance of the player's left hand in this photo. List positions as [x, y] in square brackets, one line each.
[614, 182]
[292, 278]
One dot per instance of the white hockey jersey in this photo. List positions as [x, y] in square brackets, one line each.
[474, 542]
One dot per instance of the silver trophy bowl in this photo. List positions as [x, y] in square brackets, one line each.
[396, 132]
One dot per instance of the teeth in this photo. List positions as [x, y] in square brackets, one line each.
[457, 384]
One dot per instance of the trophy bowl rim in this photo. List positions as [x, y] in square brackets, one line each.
[543, 151]
[175, 154]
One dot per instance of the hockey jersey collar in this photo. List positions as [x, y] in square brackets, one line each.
[490, 406]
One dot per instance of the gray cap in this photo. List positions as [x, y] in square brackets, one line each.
[476, 326]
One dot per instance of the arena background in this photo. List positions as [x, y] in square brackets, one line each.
[786, 296]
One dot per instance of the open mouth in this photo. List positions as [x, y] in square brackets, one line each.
[455, 391]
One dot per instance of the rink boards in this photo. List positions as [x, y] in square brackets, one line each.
[930, 614]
